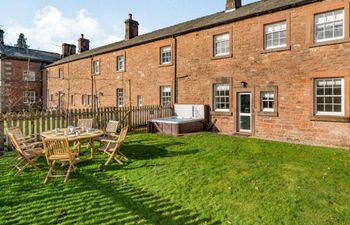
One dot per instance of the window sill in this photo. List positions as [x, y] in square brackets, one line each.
[166, 65]
[120, 71]
[271, 114]
[243, 134]
[340, 119]
[334, 42]
[213, 113]
[222, 57]
[282, 49]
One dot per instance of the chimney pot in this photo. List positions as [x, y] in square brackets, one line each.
[233, 5]
[83, 44]
[131, 28]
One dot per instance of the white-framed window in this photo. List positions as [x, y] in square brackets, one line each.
[165, 55]
[329, 25]
[96, 67]
[222, 44]
[28, 76]
[139, 100]
[275, 35]
[267, 101]
[329, 96]
[83, 99]
[90, 99]
[165, 95]
[29, 97]
[221, 97]
[60, 73]
[72, 100]
[120, 63]
[120, 97]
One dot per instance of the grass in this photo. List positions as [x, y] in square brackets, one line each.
[195, 179]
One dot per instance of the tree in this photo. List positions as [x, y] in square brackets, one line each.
[21, 41]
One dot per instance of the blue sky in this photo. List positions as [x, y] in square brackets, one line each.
[47, 23]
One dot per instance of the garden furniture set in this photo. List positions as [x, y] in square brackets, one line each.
[64, 145]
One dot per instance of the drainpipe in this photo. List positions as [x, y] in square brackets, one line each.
[92, 83]
[175, 70]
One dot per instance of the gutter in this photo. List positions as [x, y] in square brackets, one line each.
[204, 27]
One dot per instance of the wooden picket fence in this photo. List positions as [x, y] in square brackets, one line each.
[35, 122]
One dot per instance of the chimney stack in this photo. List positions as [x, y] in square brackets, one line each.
[68, 49]
[2, 37]
[83, 44]
[131, 28]
[233, 5]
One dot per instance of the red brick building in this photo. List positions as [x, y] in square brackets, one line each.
[272, 69]
[21, 76]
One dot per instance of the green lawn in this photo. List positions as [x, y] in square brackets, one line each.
[195, 179]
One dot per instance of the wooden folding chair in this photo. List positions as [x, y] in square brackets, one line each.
[27, 154]
[23, 140]
[57, 149]
[112, 148]
[85, 123]
[111, 131]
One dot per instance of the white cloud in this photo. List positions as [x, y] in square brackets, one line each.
[50, 28]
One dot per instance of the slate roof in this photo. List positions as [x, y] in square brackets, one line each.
[23, 54]
[246, 11]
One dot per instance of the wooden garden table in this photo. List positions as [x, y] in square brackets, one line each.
[83, 136]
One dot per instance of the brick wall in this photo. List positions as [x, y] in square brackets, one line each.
[15, 85]
[289, 72]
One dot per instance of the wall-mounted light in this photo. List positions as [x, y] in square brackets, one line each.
[100, 93]
[243, 84]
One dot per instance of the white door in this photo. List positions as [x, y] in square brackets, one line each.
[245, 112]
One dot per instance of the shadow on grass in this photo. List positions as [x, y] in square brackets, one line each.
[149, 151]
[96, 199]
[94, 196]
[146, 206]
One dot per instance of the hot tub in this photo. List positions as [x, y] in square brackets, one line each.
[187, 119]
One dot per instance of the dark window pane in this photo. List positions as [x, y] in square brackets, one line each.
[245, 122]
[329, 108]
[337, 108]
[329, 100]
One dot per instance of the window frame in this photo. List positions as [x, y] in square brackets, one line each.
[328, 39]
[94, 66]
[215, 108]
[89, 100]
[262, 108]
[139, 101]
[25, 97]
[225, 54]
[315, 95]
[120, 98]
[26, 74]
[60, 73]
[117, 62]
[162, 61]
[165, 98]
[265, 35]
[72, 100]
